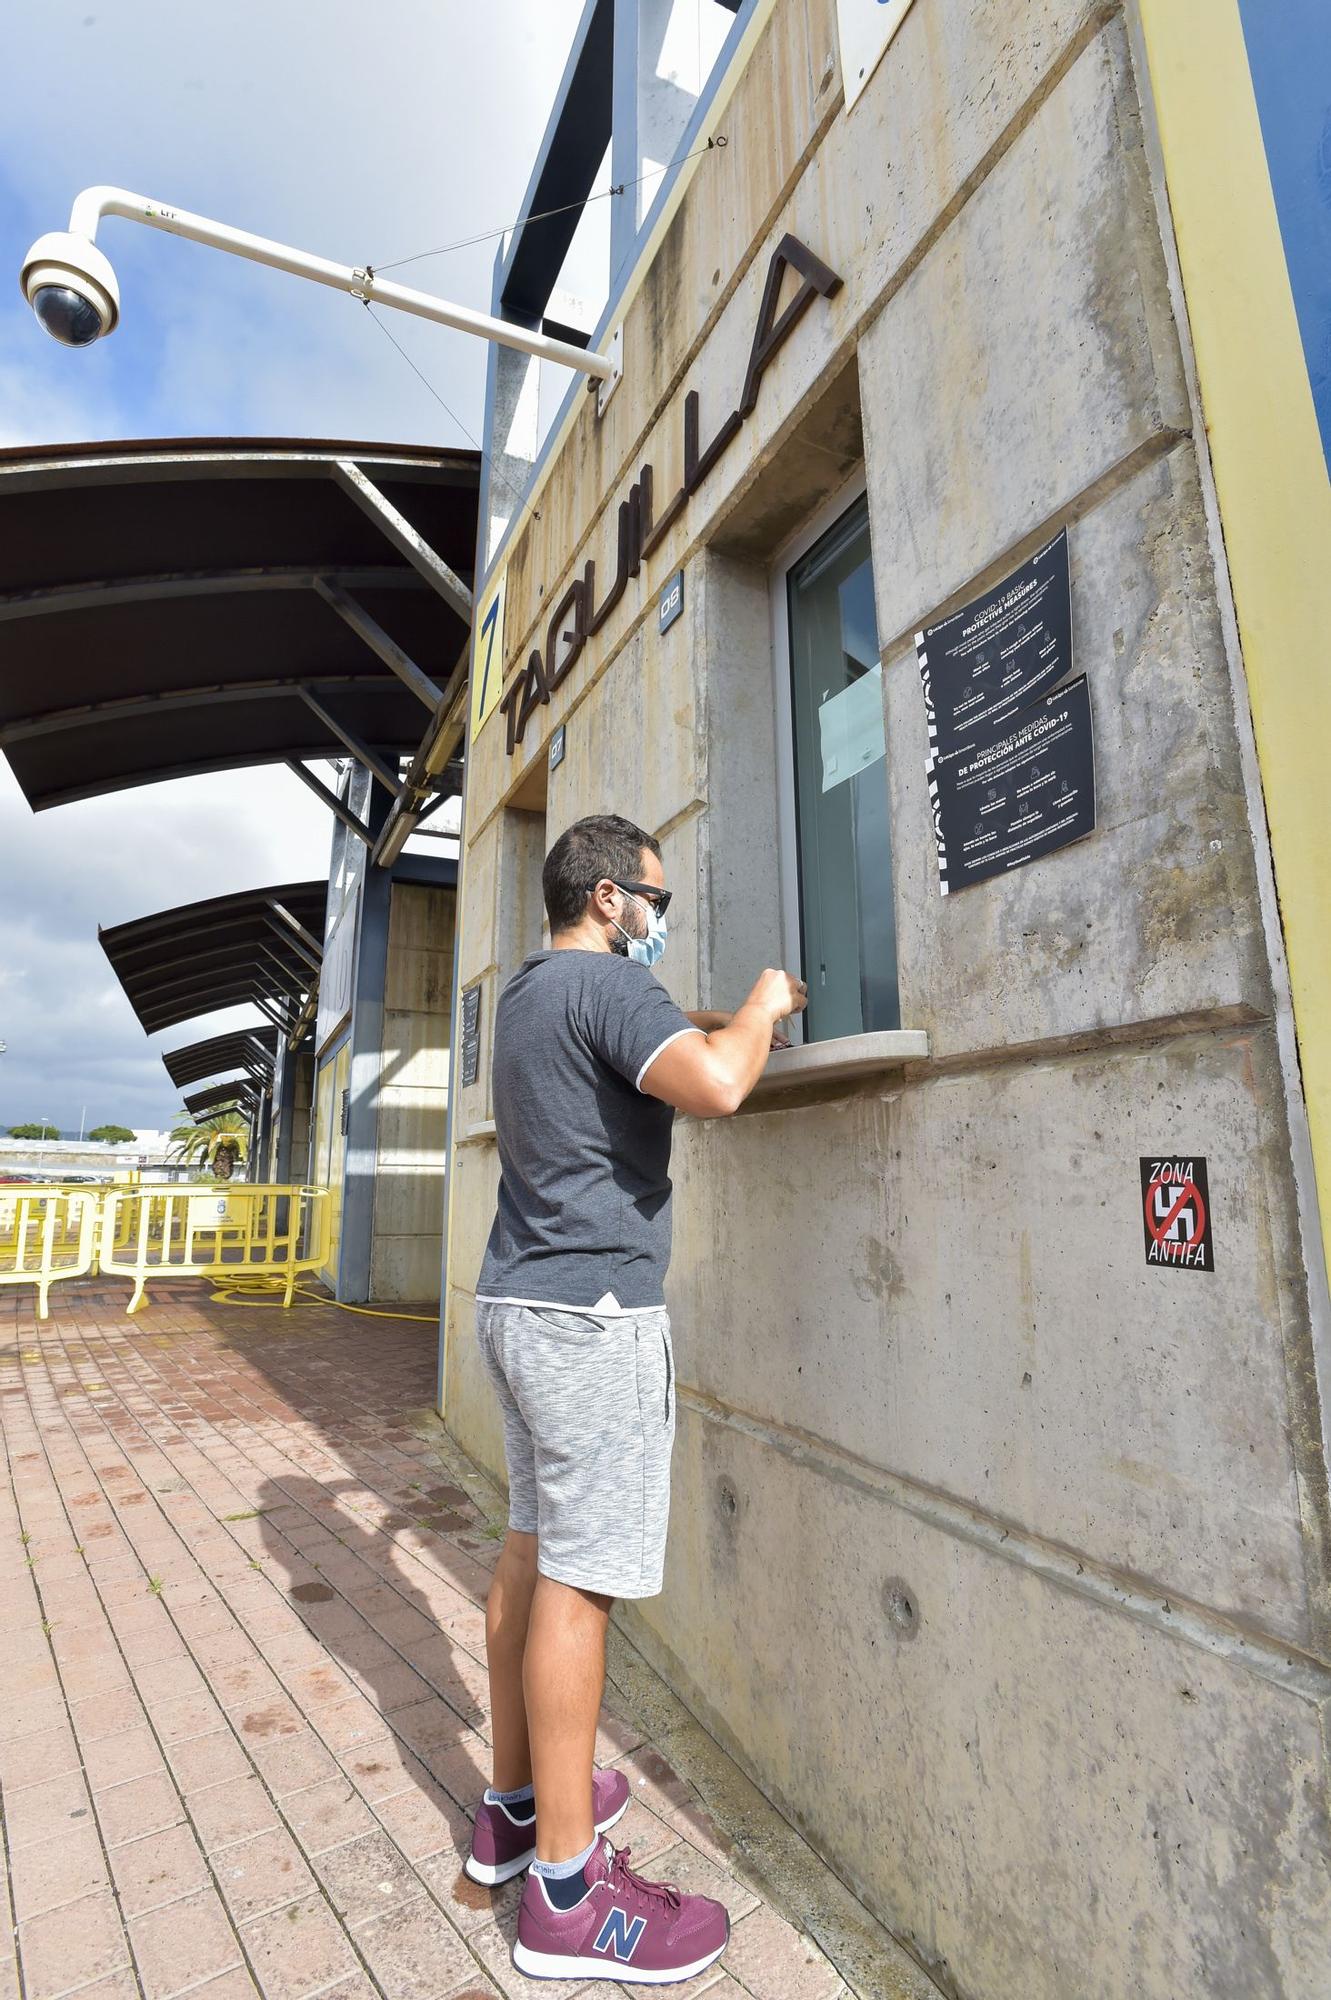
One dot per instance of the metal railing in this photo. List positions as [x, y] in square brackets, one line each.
[46, 1234]
[231, 1232]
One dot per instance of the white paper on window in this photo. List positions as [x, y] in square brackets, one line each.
[851, 733]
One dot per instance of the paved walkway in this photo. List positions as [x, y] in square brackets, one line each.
[242, 1655]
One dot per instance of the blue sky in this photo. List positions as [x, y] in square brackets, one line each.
[381, 132]
[1289, 52]
[361, 132]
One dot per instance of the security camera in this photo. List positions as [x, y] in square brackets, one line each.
[71, 287]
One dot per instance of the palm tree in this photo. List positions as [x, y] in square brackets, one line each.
[219, 1142]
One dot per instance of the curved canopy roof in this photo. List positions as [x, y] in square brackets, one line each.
[263, 946]
[198, 605]
[247, 1048]
[238, 1091]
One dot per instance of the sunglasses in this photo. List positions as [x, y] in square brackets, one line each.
[658, 898]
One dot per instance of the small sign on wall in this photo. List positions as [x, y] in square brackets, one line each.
[1011, 767]
[671, 602]
[471, 1034]
[998, 652]
[1176, 1212]
[1015, 791]
[866, 28]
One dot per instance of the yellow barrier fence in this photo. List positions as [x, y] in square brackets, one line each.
[46, 1234]
[230, 1232]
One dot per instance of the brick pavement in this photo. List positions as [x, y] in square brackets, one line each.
[245, 1714]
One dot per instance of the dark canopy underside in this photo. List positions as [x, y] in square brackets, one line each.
[245, 1048]
[181, 963]
[162, 605]
[239, 1090]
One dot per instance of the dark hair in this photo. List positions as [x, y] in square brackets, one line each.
[584, 854]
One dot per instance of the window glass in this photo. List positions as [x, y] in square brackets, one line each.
[843, 837]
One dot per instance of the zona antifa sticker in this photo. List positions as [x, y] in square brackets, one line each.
[1176, 1213]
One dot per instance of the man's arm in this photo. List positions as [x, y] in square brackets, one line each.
[710, 1075]
[708, 1019]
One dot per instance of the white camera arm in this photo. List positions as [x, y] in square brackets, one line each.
[97, 202]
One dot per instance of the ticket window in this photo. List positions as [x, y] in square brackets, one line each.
[837, 838]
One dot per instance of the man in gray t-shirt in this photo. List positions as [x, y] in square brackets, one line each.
[584, 1197]
[592, 1059]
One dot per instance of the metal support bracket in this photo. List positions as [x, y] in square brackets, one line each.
[431, 806]
[438, 745]
[306, 1021]
[331, 800]
[404, 538]
[615, 356]
[289, 980]
[311, 964]
[279, 1018]
[372, 632]
[373, 763]
[313, 951]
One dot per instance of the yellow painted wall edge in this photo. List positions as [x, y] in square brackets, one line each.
[1271, 479]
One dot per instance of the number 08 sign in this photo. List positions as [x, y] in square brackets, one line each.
[866, 27]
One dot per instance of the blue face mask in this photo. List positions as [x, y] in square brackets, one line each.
[647, 950]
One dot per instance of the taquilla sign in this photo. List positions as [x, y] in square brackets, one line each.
[640, 526]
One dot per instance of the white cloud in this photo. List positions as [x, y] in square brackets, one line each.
[72, 1037]
[359, 131]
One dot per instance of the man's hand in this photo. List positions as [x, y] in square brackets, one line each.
[711, 1074]
[780, 991]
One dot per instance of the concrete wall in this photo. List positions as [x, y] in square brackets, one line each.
[302, 1116]
[412, 1095]
[998, 1558]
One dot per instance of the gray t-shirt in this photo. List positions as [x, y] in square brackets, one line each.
[584, 1192]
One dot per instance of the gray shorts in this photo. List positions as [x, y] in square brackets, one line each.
[589, 1422]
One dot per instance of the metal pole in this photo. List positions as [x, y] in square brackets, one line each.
[96, 202]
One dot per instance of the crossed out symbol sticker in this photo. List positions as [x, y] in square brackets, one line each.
[1164, 1205]
[1175, 1208]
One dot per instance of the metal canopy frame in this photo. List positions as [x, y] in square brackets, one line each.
[237, 1091]
[250, 1049]
[281, 626]
[259, 947]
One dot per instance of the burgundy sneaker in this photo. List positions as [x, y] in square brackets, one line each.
[626, 1928]
[501, 1846]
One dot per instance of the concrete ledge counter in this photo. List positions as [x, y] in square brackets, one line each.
[812, 1062]
[474, 1134]
[846, 1056]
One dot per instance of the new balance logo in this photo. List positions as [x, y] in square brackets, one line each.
[618, 1935]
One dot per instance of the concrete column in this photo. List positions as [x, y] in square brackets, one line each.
[367, 1023]
[284, 1110]
[262, 1130]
